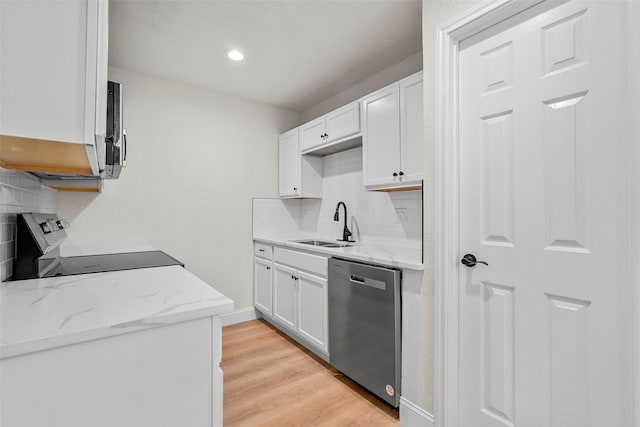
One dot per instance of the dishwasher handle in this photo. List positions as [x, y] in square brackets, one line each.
[356, 279]
[372, 283]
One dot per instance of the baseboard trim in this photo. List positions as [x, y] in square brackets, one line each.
[239, 316]
[411, 415]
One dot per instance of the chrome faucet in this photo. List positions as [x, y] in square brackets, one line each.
[345, 233]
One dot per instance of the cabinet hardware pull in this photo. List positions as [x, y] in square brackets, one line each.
[401, 173]
[268, 268]
[260, 250]
[395, 174]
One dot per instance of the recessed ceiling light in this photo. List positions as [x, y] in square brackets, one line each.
[235, 55]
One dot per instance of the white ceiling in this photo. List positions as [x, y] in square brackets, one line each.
[297, 52]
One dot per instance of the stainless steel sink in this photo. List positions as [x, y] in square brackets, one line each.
[323, 243]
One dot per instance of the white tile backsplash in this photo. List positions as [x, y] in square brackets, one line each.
[373, 216]
[19, 192]
[275, 215]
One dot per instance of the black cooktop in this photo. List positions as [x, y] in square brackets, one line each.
[112, 262]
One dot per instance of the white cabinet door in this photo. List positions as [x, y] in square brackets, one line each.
[381, 137]
[284, 301]
[289, 164]
[331, 127]
[299, 176]
[262, 285]
[343, 122]
[312, 309]
[411, 130]
[393, 136]
[312, 134]
[53, 76]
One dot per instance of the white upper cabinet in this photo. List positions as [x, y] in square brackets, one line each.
[331, 127]
[289, 164]
[393, 136]
[412, 129]
[381, 139]
[312, 134]
[53, 73]
[299, 176]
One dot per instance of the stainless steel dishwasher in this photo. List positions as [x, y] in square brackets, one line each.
[364, 326]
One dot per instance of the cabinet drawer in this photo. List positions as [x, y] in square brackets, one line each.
[316, 264]
[263, 251]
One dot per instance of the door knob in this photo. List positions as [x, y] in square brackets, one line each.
[470, 260]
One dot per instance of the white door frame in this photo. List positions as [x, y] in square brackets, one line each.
[447, 253]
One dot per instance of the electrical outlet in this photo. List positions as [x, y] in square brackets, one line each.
[401, 213]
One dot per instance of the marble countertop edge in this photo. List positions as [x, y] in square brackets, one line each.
[394, 256]
[41, 314]
[136, 325]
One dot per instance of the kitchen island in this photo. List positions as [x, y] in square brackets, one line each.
[127, 348]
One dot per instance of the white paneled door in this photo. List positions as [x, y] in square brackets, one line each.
[545, 328]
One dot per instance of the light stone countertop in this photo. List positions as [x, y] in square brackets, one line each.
[406, 257]
[40, 314]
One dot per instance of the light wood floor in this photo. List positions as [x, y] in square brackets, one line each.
[269, 380]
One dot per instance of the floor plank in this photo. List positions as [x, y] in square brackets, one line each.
[270, 380]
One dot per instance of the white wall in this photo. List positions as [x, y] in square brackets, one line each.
[196, 159]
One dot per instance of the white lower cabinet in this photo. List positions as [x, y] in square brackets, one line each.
[312, 309]
[163, 377]
[285, 289]
[262, 285]
[300, 303]
[290, 291]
